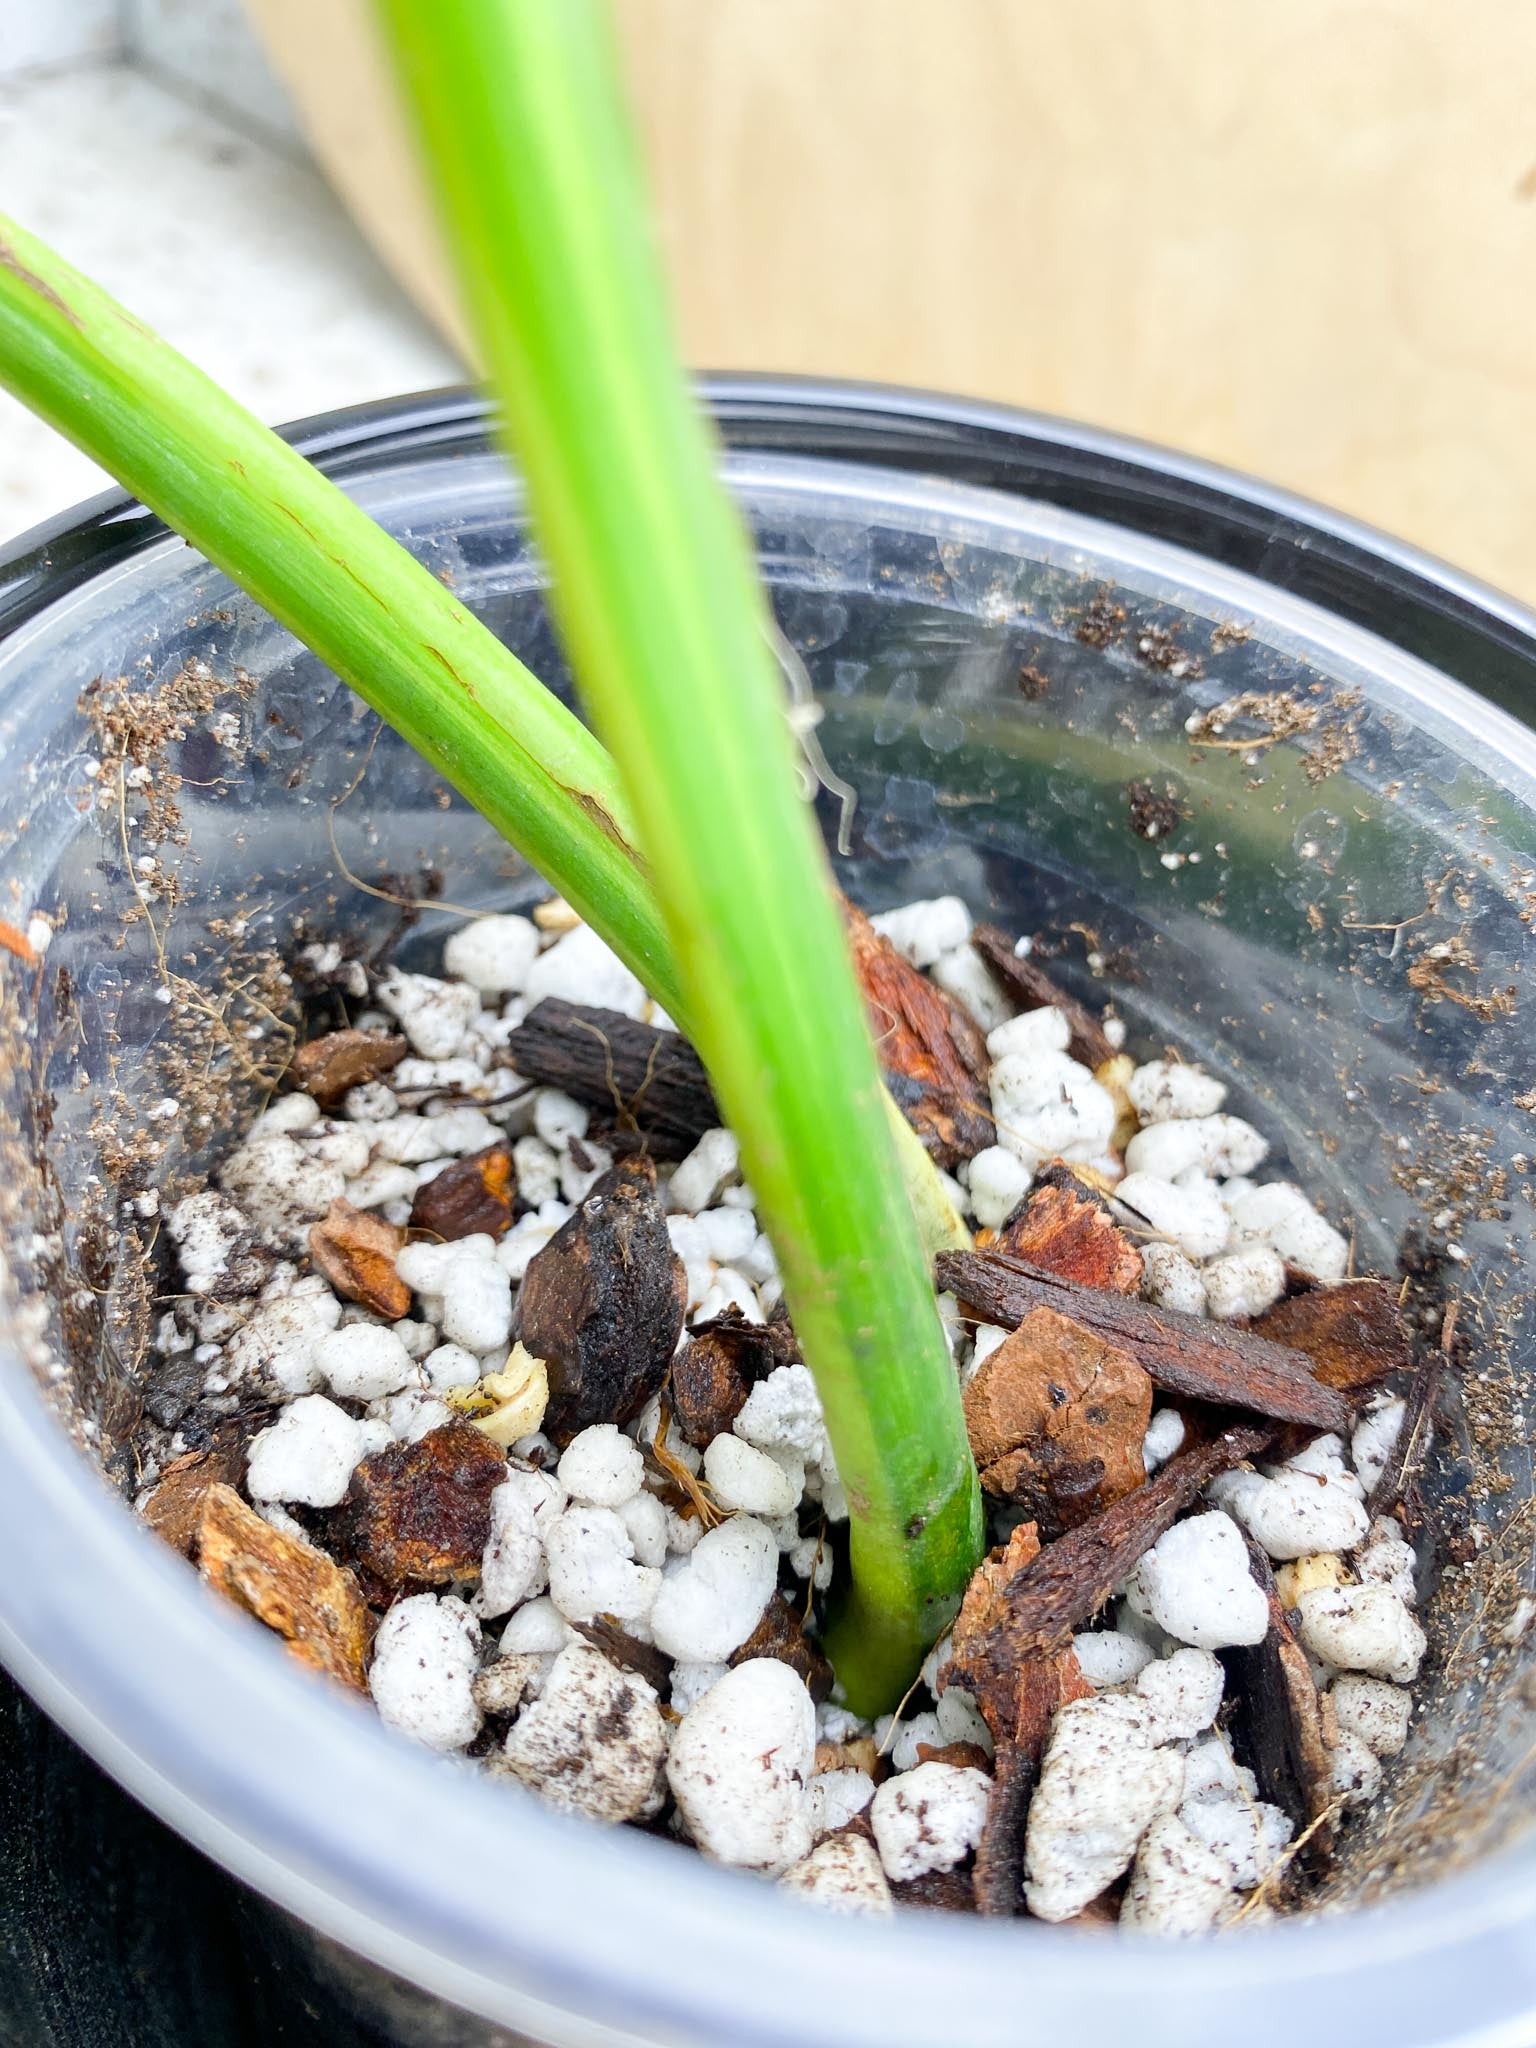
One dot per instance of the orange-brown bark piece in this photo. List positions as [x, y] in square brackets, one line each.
[932, 1052]
[1351, 1332]
[175, 1509]
[1187, 1356]
[719, 1366]
[1067, 1230]
[963, 1756]
[859, 1753]
[473, 1197]
[779, 1634]
[936, 1891]
[419, 1514]
[327, 1067]
[295, 1589]
[355, 1252]
[1056, 1418]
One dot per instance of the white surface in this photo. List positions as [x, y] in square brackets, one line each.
[34, 32]
[236, 254]
[209, 50]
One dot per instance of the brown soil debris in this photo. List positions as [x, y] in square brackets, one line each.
[779, 1634]
[355, 1252]
[1056, 1418]
[1154, 814]
[719, 1366]
[472, 1197]
[932, 1052]
[1066, 1229]
[1033, 989]
[419, 1514]
[295, 1589]
[1184, 1355]
[327, 1067]
[1350, 1332]
[602, 1304]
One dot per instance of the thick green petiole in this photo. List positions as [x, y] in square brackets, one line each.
[520, 112]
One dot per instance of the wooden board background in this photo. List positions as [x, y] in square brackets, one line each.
[1298, 238]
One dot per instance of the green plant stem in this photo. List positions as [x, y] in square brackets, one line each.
[523, 126]
[356, 598]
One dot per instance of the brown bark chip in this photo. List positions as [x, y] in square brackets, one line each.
[650, 1082]
[419, 1514]
[1184, 1355]
[327, 1067]
[937, 1891]
[286, 1583]
[965, 1756]
[1027, 982]
[175, 1509]
[355, 1252]
[628, 1652]
[472, 1197]
[1351, 1332]
[1281, 1716]
[779, 1634]
[602, 1304]
[719, 1366]
[933, 1055]
[1066, 1229]
[1056, 1418]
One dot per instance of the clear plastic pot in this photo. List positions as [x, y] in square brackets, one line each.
[1009, 623]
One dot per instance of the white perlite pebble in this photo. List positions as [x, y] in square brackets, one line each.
[1356, 1771]
[834, 1797]
[1107, 1657]
[998, 1183]
[920, 932]
[1195, 1583]
[1245, 1835]
[1167, 1088]
[740, 1762]
[425, 1657]
[1376, 1434]
[1386, 1559]
[1313, 1504]
[1170, 1280]
[601, 1467]
[363, 1362]
[593, 1742]
[646, 1520]
[537, 1629]
[1244, 1283]
[592, 1569]
[277, 1341]
[1037, 1034]
[1210, 1772]
[696, 1184]
[472, 1288]
[307, 1456]
[783, 1412]
[281, 1186]
[1217, 1145]
[690, 1682]
[448, 1366]
[730, 1290]
[1373, 1711]
[1102, 1783]
[205, 1229]
[1165, 1435]
[493, 954]
[1050, 1107]
[1194, 1217]
[524, 1507]
[1178, 1886]
[1361, 1628]
[1279, 1215]
[1182, 1693]
[960, 1719]
[742, 1477]
[712, 1601]
[434, 1015]
[581, 969]
[928, 1819]
[965, 975]
[842, 1875]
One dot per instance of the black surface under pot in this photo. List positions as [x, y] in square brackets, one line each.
[1008, 622]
